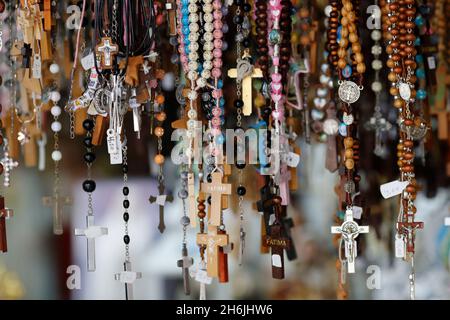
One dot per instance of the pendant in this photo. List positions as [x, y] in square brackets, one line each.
[349, 91]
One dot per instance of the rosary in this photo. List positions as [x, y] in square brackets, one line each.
[223, 104]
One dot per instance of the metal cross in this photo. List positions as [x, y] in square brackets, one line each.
[161, 200]
[91, 232]
[185, 263]
[8, 164]
[350, 231]
[128, 277]
[57, 203]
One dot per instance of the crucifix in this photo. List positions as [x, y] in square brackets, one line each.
[91, 232]
[5, 213]
[161, 200]
[349, 231]
[8, 164]
[212, 240]
[275, 240]
[57, 203]
[245, 72]
[108, 51]
[408, 228]
[185, 263]
[216, 189]
[128, 277]
[26, 52]
[265, 194]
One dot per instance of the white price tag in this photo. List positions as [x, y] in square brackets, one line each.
[276, 261]
[431, 63]
[37, 65]
[357, 212]
[116, 158]
[202, 277]
[393, 188]
[87, 62]
[292, 159]
[112, 142]
[399, 246]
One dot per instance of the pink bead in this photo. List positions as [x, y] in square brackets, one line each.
[276, 61]
[183, 59]
[218, 24]
[217, 53]
[217, 93]
[276, 114]
[217, 63]
[218, 43]
[276, 97]
[276, 87]
[216, 73]
[216, 112]
[276, 77]
[217, 5]
[218, 34]
[215, 132]
[217, 14]
[215, 122]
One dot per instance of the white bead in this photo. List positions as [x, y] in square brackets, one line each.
[376, 86]
[206, 74]
[377, 64]
[208, 36]
[208, 17]
[56, 126]
[193, 65]
[324, 79]
[55, 96]
[54, 68]
[324, 67]
[56, 155]
[56, 111]
[327, 10]
[209, 26]
[201, 82]
[192, 75]
[376, 50]
[375, 35]
[207, 65]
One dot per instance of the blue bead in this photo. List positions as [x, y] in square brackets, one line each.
[419, 58]
[419, 21]
[220, 139]
[339, 33]
[417, 42]
[347, 71]
[421, 94]
[220, 84]
[343, 129]
[221, 102]
[185, 11]
[185, 20]
[420, 73]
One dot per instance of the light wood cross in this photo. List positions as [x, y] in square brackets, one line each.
[212, 240]
[107, 51]
[216, 189]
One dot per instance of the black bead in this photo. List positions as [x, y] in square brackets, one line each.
[241, 190]
[88, 124]
[89, 157]
[267, 111]
[126, 204]
[246, 42]
[87, 142]
[238, 103]
[238, 2]
[240, 165]
[126, 239]
[89, 185]
[247, 7]
[126, 216]
[125, 168]
[237, 19]
[125, 191]
[209, 178]
[209, 200]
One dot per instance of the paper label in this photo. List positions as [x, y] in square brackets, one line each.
[292, 159]
[276, 260]
[128, 276]
[357, 212]
[37, 72]
[399, 246]
[447, 221]
[202, 277]
[87, 62]
[393, 188]
[116, 158]
[161, 200]
[431, 63]
[95, 231]
[111, 141]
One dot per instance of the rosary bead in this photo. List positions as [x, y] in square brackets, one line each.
[126, 239]
[238, 103]
[247, 7]
[87, 141]
[183, 194]
[56, 126]
[56, 155]
[55, 111]
[241, 191]
[88, 124]
[126, 216]
[126, 204]
[159, 159]
[89, 157]
[185, 221]
[89, 186]
[240, 165]
[125, 191]
[125, 168]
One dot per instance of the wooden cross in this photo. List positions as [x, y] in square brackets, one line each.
[212, 241]
[223, 260]
[408, 228]
[161, 200]
[57, 203]
[132, 72]
[108, 51]
[349, 231]
[91, 232]
[245, 72]
[171, 17]
[216, 189]
[8, 164]
[265, 194]
[286, 225]
[4, 214]
[128, 277]
[185, 263]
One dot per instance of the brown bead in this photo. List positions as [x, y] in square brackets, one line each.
[390, 63]
[408, 122]
[159, 132]
[359, 57]
[408, 155]
[348, 142]
[356, 47]
[341, 63]
[400, 146]
[398, 103]
[159, 159]
[392, 77]
[161, 116]
[408, 144]
[361, 68]
[349, 164]
[348, 153]
[398, 70]
[393, 91]
[399, 163]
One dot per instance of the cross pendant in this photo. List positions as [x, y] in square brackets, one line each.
[4, 214]
[212, 240]
[91, 232]
[161, 200]
[57, 203]
[128, 277]
[185, 263]
[108, 51]
[216, 189]
[8, 164]
[349, 231]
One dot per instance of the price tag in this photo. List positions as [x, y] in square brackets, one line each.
[399, 246]
[202, 277]
[357, 212]
[292, 159]
[37, 65]
[128, 276]
[393, 188]
[431, 63]
[111, 141]
[116, 158]
[276, 261]
[87, 62]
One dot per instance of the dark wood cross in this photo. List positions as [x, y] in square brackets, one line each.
[287, 224]
[265, 194]
[26, 52]
[161, 200]
[223, 259]
[4, 214]
[171, 17]
[57, 203]
[107, 51]
[185, 263]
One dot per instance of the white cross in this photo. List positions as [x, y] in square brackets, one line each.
[128, 277]
[349, 231]
[8, 164]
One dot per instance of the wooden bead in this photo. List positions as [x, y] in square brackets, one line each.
[349, 164]
[356, 47]
[393, 91]
[353, 37]
[159, 132]
[161, 116]
[408, 144]
[159, 159]
[341, 63]
[359, 57]
[398, 103]
[361, 67]
[408, 122]
[348, 153]
[392, 77]
[160, 99]
[348, 142]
